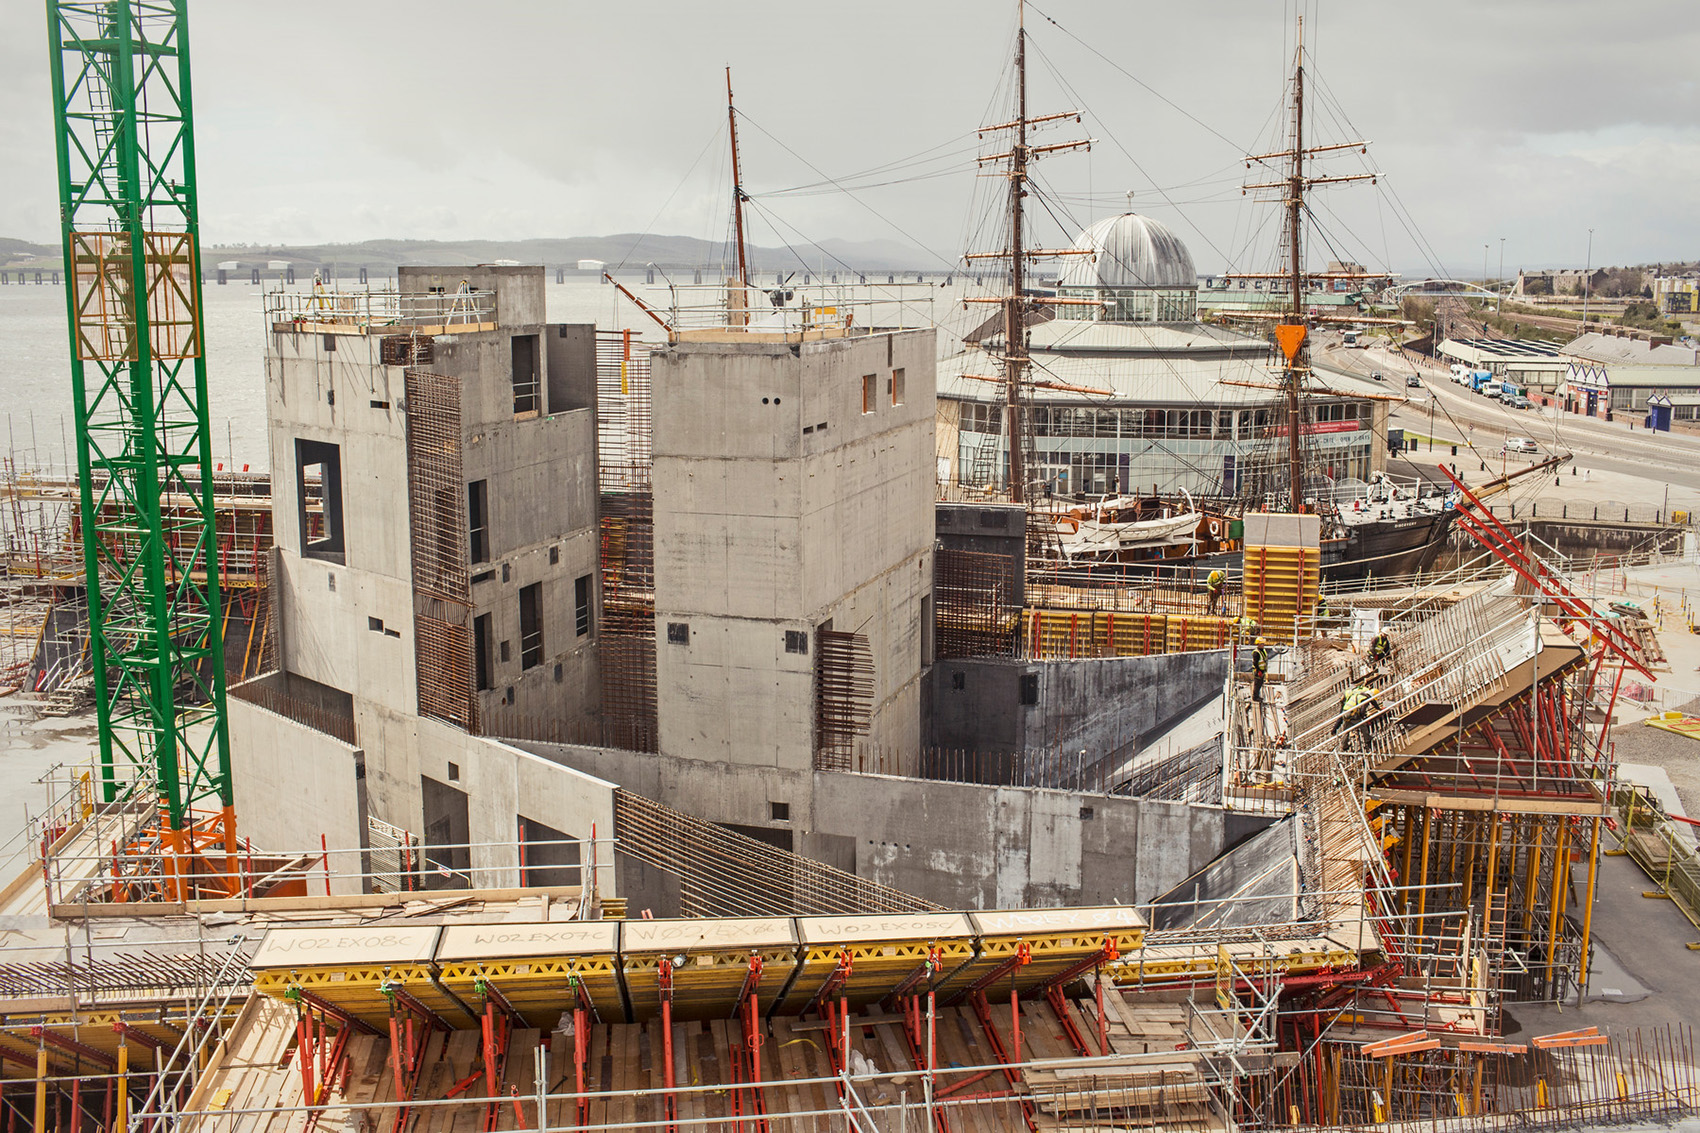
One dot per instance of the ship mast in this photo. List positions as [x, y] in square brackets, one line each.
[1292, 331]
[1014, 320]
[1295, 213]
[737, 187]
[1015, 304]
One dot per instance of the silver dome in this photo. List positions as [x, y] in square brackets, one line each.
[1131, 251]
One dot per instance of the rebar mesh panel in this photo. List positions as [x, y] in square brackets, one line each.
[844, 697]
[974, 592]
[437, 512]
[726, 874]
[626, 528]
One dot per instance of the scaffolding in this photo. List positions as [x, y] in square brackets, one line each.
[626, 529]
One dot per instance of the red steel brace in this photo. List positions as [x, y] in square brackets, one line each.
[664, 985]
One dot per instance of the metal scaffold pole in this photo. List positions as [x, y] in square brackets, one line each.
[124, 136]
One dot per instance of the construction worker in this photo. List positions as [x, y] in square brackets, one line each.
[1380, 649]
[1320, 610]
[1350, 709]
[1215, 586]
[1259, 668]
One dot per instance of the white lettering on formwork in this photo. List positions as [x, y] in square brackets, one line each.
[322, 943]
[669, 933]
[883, 926]
[534, 937]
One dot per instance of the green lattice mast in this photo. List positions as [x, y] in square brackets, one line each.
[126, 150]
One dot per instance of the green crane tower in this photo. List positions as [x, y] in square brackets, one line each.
[126, 154]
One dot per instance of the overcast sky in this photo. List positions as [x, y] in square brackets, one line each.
[1527, 120]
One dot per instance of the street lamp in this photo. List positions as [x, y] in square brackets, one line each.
[1501, 300]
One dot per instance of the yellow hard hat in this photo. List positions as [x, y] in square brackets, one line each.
[1263, 641]
[1375, 692]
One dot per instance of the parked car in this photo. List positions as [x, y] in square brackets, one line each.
[1375, 375]
[1414, 382]
[1520, 444]
[1519, 402]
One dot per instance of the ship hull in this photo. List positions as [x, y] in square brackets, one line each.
[1387, 547]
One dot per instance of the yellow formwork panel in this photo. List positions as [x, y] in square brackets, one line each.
[1059, 635]
[1281, 586]
[95, 1029]
[1132, 635]
[1156, 967]
[884, 949]
[1189, 632]
[536, 967]
[1056, 940]
[711, 960]
[347, 966]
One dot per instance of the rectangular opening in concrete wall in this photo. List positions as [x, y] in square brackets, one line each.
[781, 839]
[448, 859]
[478, 520]
[895, 385]
[796, 641]
[318, 499]
[527, 375]
[482, 638]
[547, 856]
[1029, 688]
[678, 633]
[581, 606]
[531, 625]
[870, 392]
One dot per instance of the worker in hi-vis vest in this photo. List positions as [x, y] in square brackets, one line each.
[1214, 587]
[1259, 668]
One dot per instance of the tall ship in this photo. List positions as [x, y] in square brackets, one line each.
[1136, 433]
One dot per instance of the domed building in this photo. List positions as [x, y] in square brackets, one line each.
[1132, 394]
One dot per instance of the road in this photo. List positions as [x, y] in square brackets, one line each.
[1464, 417]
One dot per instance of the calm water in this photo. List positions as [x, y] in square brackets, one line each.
[35, 372]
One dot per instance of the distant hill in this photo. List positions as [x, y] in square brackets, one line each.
[19, 253]
[682, 252]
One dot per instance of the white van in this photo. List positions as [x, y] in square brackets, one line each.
[1350, 338]
[1491, 389]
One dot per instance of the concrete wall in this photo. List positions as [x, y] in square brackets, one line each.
[293, 783]
[519, 288]
[781, 505]
[1103, 706]
[501, 783]
[961, 845]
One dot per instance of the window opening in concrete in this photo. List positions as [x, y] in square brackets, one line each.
[447, 857]
[780, 839]
[870, 392]
[581, 605]
[1029, 688]
[531, 625]
[678, 633]
[483, 576]
[1087, 814]
[959, 681]
[895, 385]
[318, 499]
[330, 343]
[554, 556]
[478, 520]
[481, 638]
[527, 375]
[504, 652]
[375, 624]
[547, 856]
[796, 641]
[779, 812]
[454, 772]
[380, 405]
